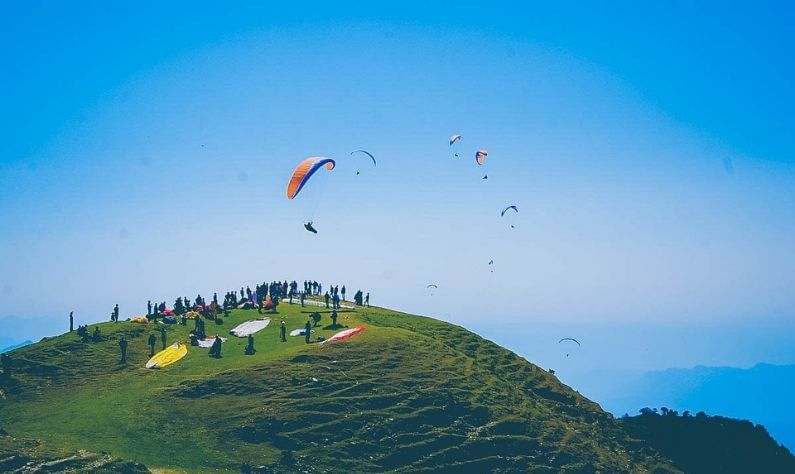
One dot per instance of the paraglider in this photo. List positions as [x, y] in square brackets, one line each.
[502, 214]
[506, 210]
[491, 265]
[308, 226]
[569, 339]
[480, 156]
[432, 286]
[366, 153]
[304, 171]
[454, 139]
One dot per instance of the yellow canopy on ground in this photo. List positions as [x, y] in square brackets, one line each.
[168, 356]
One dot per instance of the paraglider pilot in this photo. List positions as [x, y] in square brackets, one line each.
[250, 346]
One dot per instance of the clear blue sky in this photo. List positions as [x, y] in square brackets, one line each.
[146, 149]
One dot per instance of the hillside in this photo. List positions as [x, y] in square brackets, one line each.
[706, 444]
[409, 393]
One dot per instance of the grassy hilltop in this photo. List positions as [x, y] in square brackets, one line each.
[409, 393]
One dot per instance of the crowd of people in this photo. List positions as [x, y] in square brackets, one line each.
[264, 297]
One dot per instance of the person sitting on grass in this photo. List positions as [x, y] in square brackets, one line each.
[315, 317]
[215, 350]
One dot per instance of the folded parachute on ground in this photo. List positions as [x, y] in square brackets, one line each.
[344, 334]
[139, 319]
[192, 315]
[207, 342]
[304, 171]
[167, 356]
[250, 327]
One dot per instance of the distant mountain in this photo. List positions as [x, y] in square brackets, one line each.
[15, 346]
[762, 394]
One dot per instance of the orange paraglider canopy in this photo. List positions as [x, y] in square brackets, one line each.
[304, 171]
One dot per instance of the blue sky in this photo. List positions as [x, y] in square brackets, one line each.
[147, 147]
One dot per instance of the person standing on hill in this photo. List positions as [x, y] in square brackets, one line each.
[307, 331]
[336, 301]
[163, 337]
[303, 297]
[123, 348]
[71, 321]
[283, 332]
[342, 291]
[326, 297]
[148, 307]
[249, 350]
[367, 299]
[152, 341]
[334, 319]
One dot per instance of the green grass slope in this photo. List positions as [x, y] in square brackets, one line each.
[409, 394]
[704, 444]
